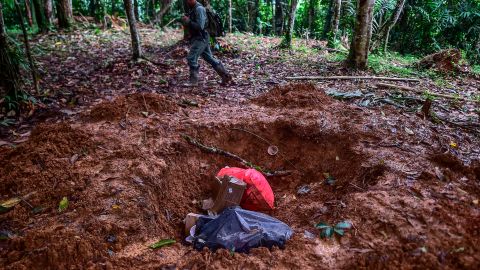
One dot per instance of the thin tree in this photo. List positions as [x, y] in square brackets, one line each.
[279, 16]
[358, 55]
[230, 16]
[42, 23]
[312, 5]
[136, 11]
[136, 49]
[64, 13]
[27, 47]
[28, 11]
[9, 77]
[48, 11]
[332, 38]
[287, 39]
[328, 18]
[384, 32]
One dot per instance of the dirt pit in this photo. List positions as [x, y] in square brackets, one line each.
[131, 185]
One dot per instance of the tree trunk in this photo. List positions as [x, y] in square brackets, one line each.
[63, 14]
[327, 24]
[256, 27]
[40, 16]
[27, 46]
[113, 6]
[70, 10]
[311, 14]
[384, 32]
[358, 54]
[251, 15]
[136, 10]
[97, 10]
[28, 11]
[48, 7]
[166, 5]
[9, 77]
[287, 40]
[332, 38]
[151, 10]
[136, 50]
[279, 16]
[230, 16]
[273, 17]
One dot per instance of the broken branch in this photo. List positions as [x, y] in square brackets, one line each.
[215, 150]
[411, 89]
[351, 78]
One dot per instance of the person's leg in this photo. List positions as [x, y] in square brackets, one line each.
[208, 56]
[196, 49]
[217, 65]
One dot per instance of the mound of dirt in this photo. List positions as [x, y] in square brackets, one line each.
[294, 96]
[444, 61]
[133, 105]
[42, 163]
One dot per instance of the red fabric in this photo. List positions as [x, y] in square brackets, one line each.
[258, 195]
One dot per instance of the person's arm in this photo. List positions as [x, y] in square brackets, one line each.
[201, 18]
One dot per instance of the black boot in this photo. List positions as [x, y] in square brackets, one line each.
[226, 77]
[193, 80]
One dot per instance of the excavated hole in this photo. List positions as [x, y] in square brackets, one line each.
[309, 153]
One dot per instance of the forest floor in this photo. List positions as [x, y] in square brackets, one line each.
[108, 136]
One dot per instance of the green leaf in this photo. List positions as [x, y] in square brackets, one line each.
[339, 231]
[9, 204]
[162, 243]
[343, 225]
[322, 225]
[327, 232]
[63, 204]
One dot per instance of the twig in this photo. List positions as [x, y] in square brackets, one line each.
[357, 187]
[145, 103]
[165, 26]
[24, 198]
[411, 89]
[351, 78]
[214, 150]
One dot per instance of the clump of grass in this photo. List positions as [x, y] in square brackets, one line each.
[393, 63]
[476, 69]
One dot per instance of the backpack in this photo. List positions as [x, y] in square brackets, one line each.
[214, 25]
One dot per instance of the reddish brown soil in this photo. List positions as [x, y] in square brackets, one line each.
[294, 96]
[131, 185]
[117, 154]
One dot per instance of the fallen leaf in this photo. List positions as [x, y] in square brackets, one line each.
[409, 131]
[9, 204]
[453, 144]
[63, 204]
[162, 243]
[439, 174]
[74, 159]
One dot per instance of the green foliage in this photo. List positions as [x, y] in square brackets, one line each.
[162, 243]
[392, 63]
[63, 204]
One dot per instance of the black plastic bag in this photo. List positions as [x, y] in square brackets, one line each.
[240, 230]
